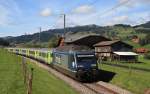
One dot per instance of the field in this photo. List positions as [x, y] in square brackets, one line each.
[11, 78]
[132, 80]
[143, 63]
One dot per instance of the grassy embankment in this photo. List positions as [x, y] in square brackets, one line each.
[132, 80]
[137, 45]
[11, 78]
[143, 63]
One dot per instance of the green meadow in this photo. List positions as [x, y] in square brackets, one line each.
[133, 80]
[141, 64]
[12, 81]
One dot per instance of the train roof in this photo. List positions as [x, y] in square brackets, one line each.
[74, 49]
[74, 52]
[41, 49]
[34, 49]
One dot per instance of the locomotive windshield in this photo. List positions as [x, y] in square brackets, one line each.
[86, 61]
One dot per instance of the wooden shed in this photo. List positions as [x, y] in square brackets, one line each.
[107, 50]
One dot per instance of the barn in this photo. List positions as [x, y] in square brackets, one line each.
[105, 49]
[115, 50]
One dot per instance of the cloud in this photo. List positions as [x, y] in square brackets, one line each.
[60, 22]
[118, 20]
[3, 16]
[119, 14]
[132, 19]
[135, 3]
[142, 17]
[8, 11]
[46, 12]
[84, 9]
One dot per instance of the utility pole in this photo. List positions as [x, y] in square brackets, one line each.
[40, 29]
[63, 35]
[64, 15]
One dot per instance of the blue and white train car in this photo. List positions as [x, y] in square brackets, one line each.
[81, 65]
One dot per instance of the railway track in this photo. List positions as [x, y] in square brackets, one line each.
[99, 89]
[82, 88]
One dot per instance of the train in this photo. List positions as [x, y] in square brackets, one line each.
[80, 65]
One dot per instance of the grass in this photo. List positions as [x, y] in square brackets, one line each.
[135, 45]
[11, 78]
[46, 83]
[147, 46]
[144, 63]
[134, 81]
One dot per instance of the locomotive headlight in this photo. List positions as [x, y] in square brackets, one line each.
[93, 65]
[80, 66]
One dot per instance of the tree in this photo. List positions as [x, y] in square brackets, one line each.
[53, 42]
[4, 42]
[147, 56]
[145, 40]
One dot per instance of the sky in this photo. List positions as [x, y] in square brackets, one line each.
[19, 17]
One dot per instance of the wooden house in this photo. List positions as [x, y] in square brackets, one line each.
[115, 50]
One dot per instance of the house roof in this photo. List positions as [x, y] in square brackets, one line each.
[106, 43]
[87, 39]
[76, 37]
[126, 53]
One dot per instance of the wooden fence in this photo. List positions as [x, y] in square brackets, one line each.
[28, 75]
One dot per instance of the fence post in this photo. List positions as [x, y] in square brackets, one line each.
[29, 91]
[24, 68]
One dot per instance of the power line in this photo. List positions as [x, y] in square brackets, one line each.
[111, 9]
[94, 2]
[115, 7]
[102, 14]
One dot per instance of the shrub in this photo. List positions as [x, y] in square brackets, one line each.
[147, 56]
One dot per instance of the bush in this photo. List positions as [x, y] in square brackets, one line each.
[147, 56]
[53, 42]
[4, 42]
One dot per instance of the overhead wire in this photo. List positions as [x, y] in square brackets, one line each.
[114, 8]
[109, 10]
[101, 14]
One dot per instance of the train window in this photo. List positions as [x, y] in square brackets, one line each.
[40, 54]
[57, 58]
[31, 52]
[86, 59]
[43, 54]
[24, 51]
[51, 54]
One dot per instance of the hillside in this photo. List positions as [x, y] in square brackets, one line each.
[145, 25]
[118, 31]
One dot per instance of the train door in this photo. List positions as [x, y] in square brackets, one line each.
[49, 58]
[72, 63]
